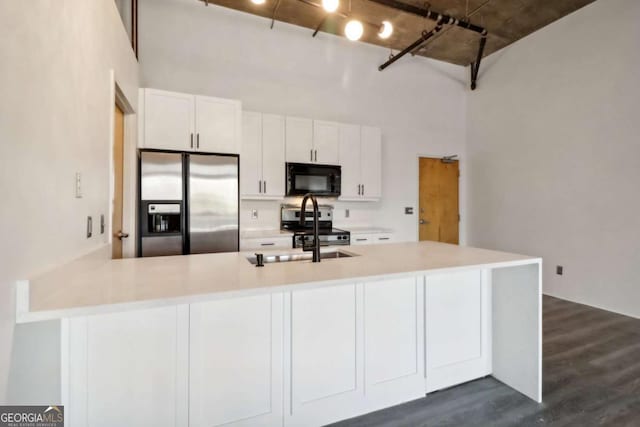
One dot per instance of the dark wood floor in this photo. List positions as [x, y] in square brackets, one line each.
[591, 376]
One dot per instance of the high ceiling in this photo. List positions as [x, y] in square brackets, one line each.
[506, 21]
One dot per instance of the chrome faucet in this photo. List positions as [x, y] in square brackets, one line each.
[303, 218]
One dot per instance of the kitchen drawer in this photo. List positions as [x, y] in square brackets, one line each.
[371, 238]
[266, 243]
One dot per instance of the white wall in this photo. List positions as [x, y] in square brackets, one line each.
[419, 104]
[555, 156]
[55, 119]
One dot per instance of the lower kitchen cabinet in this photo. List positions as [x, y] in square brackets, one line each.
[458, 328]
[127, 369]
[393, 341]
[235, 362]
[326, 375]
[371, 238]
[266, 243]
[307, 357]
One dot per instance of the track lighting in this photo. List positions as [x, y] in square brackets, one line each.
[353, 30]
[330, 5]
[386, 29]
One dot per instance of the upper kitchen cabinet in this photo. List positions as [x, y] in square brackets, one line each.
[218, 125]
[360, 155]
[326, 140]
[299, 140]
[184, 122]
[262, 156]
[371, 162]
[312, 141]
[168, 121]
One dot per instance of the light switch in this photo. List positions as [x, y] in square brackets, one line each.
[78, 185]
[347, 213]
[408, 210]
[254, 213]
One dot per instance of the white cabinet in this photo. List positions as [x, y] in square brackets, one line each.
[168, 120]
[235, 369]
[266, 243]
[393, 341]
[457, 328]
[326, 358]
[326, 140]
[371, 238]
[218, 124]
[360, 156]
[184, 122]
[371, 162]
[262, 156]
[128, 369]
[312, 141]
[299, 140]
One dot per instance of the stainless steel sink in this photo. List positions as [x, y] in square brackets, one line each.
[299, 256]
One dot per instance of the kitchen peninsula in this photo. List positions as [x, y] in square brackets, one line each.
[212, 339]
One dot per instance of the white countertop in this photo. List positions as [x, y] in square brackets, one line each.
[95, 284]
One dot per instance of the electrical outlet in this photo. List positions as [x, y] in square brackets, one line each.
[254, 213]
[89, 227]
[408, 210]
[559, 270]
[347, 213]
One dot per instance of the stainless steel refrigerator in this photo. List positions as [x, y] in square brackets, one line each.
[188, 203]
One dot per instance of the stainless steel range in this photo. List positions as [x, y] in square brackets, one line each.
[329, 236]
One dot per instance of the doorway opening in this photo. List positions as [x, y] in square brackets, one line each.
[438, 210]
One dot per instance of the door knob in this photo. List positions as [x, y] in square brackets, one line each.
[120, 235]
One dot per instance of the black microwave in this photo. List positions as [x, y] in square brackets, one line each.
[321, 180]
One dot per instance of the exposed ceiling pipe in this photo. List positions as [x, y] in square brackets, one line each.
[441, 19]
[426, 35]
[429, 14]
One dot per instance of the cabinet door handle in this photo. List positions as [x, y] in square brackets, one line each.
[311, 153]
[198, 141]
[264, 186]
[316, 155]
[267, 244]
[384, 238]
[363, 189]
[259, 186]
[192, 140]
[361, 240]
[358, 189]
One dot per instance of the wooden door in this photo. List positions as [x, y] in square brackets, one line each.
[438, 214]
[118, 183]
